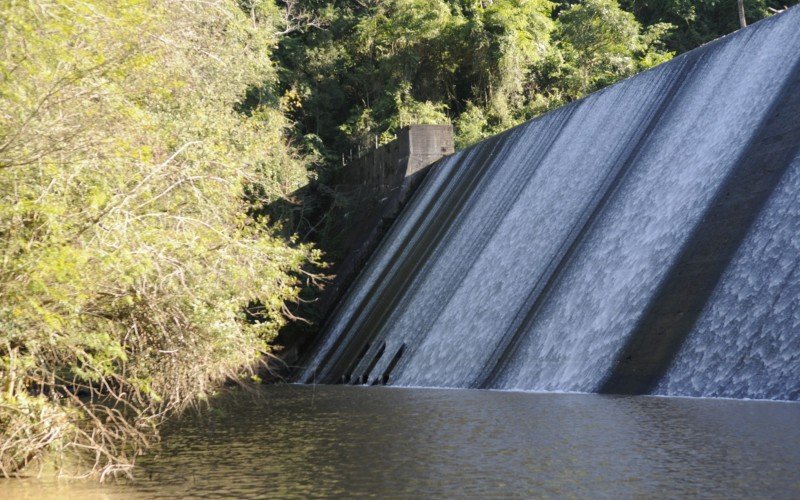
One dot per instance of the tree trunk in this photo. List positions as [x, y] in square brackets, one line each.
[742, 20]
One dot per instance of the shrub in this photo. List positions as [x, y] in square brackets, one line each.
[129, 259]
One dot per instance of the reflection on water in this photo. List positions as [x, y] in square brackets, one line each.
[345, 441]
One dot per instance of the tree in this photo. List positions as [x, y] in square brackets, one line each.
[742, 19]
[133, 279]
[602, 43]
[698, 21]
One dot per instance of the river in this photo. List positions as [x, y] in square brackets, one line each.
[301, 441]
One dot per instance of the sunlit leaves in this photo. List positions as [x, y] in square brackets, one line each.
[500, 62]
[127, 255]
[603, 43]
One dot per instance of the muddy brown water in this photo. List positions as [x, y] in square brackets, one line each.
[341, 441]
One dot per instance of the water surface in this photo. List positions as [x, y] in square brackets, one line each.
[397, 442]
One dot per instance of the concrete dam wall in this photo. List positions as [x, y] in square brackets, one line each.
[642, 240]
[377, 185]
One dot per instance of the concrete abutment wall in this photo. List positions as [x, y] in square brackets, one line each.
[370, 192]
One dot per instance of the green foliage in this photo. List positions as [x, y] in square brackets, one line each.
[128, 258]
[602, 43]
[699, 21]
[471, 126]
[380, 64]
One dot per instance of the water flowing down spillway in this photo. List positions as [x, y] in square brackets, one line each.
[645, 239]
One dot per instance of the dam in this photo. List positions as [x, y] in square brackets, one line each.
[642, 240]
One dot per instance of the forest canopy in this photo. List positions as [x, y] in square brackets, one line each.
[368, 67]
[145, 143]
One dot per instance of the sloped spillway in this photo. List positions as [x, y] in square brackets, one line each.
[645, 239]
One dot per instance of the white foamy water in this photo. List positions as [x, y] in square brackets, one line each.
[527, 261]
